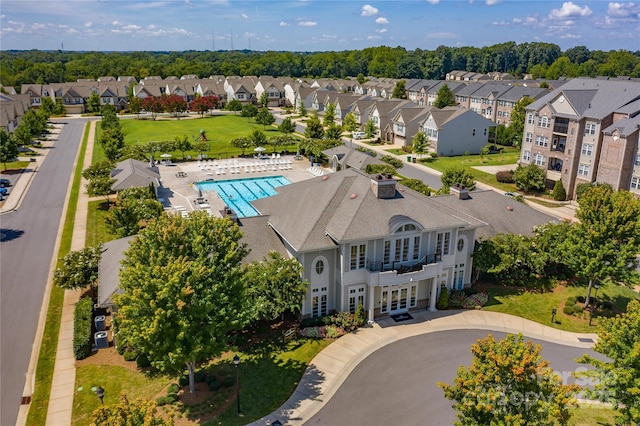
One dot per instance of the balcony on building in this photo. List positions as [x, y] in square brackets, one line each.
[554, 171]
[561, 125]
[558, 143]
[379, 273]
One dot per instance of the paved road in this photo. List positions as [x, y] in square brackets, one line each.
[28, 237]
[396, 385]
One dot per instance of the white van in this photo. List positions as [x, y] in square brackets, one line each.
[357, 135]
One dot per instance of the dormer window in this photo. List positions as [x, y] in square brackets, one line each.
[406, 228]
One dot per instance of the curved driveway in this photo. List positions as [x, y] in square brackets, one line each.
[397, 383]
[27, 245]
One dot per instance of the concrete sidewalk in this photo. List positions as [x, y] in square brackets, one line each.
[64, 372]
[331, 367]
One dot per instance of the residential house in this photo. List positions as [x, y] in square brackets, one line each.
[507, 100]
[565, 131]
[429, 94]
[242, 89]
[383, 111]
[305, 96]
[345, 157]
[12, 108]
[274, 87]
[454, 131]
[131, 173]
[405, 124]
[361, 109]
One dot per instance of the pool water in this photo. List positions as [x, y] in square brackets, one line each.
[237, 193]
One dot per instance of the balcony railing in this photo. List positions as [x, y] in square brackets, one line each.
[561, 128]
[403, 267]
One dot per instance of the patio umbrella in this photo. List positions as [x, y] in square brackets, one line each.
[260, 149]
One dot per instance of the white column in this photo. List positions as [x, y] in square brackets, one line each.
[434, 294]
[372, 304]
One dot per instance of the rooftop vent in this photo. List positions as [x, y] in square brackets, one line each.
[460, 191]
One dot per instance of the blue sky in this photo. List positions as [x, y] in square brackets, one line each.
[314, 25]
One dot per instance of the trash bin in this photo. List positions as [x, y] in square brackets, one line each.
[413, 159]
[408, 158]
[101, 340]
[100, 322]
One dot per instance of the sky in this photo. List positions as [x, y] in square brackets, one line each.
[314, 25]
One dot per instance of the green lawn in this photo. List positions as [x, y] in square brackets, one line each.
[96, 229]
[537, 306]
[220, 129]
[587, 415]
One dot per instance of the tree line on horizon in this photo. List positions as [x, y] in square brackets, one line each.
[539, 59]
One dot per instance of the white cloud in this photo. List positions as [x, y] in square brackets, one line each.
[368, 10]
[88, 24]
[307, 23]
[283, 24]
[568, 10]
[37, 26]
[623, 10]
[373, 38]
[433, 1]
[382, 21]
[245, 16]
[493, 2]
[131, 27]
[114, 23]
[382, 30]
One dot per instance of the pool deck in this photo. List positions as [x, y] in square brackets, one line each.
[178, 192]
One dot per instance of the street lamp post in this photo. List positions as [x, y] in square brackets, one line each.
[553, 314]
[595, 302]
[236, 361]
[100, 393]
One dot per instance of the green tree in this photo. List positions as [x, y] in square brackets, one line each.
[420, 143]
[93, 103]
[302, 110]
[370, 129]
[183, 144]
[399, 91]
[183, 290]
[559, 193]
[314, 129]
[604, 244]
[79, 269]
[458, 175]
[249, 111]
[529, 178]
[516, 125]
[287, 126]
[234, 105]
[264, 100]
[265, 117]
[47, 106]
[275, 286]
[100, 186]
[617, 379]
[444, 97]
[22, 135]
[135, 105]
[257, 138]
[140, 412]
[241, 143]
[509, 383]
[8, 147]
[349, 124]
[334, 131]
[329, 115]
[101, 169]
[60, 109]
[133, 209]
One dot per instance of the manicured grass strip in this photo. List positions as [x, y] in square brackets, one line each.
[47, 357]
[96, 229]
[592, 415]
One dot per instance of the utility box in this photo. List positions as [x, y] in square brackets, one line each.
[101, 339]
[100, 322]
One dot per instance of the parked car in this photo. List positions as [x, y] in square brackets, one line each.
[4, 191]
[358, 135]
[4, 182]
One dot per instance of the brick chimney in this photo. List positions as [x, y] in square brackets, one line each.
[460, 190]
[384, 186]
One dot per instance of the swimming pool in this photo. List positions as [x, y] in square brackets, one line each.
[237, 193]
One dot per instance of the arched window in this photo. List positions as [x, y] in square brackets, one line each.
[319, 267]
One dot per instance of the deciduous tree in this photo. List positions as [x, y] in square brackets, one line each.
[182, 143]
[604, 244]
[183, 290]
[8, 147]
[444, 97]
[139, 412]
[241, 143]
[79, 268]
[133, 209]
[617, 379]
[153, 104]
[93, 103]
[509, 383]
[458, 175]
[329, 115]
[234, 105]
[370, 129]
[420, 143]
[516, 125]
[529, 178]
[265, 117]
[334, 131]
[287, 126]
[349, 123]
[314, 129]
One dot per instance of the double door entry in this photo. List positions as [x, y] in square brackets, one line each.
[399, 299]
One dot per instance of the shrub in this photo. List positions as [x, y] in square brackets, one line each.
[367, 151]
[475, 301]
[383, 169]
[505, 176]
[164, 400]
[344, 320]
[173, 388]
[228, 382]
[315, 322]
[200, 376]
[568, 309]
[333, 332]
[210, 378]
[130, 355]
[312, 332]
[559, 193]
[571, 300]
[82, 317]
[443, 300]
[142, 361]
[214, 385]
[577, 309]
[457, 298]
[417, 185]
[581, 299]
[395, 162]
[359, 318]
[183, 380]
[173, 396]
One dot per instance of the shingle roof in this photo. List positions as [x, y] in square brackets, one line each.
[133, 174]
[109, 269]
